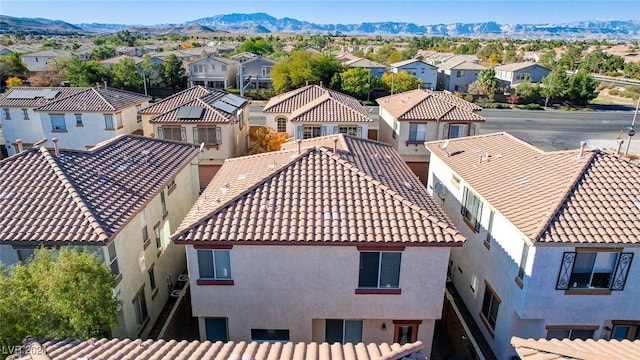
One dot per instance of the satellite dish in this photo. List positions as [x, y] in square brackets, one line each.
[201, 147]
[444, 145]
[438, 188]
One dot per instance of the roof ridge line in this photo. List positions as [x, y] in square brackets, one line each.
[394, 194]
[311, 105]
[291, 93]
[181, 232]
[77, 198]
[103, 99]
[556, 209]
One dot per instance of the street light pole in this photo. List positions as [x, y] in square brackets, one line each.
[633, 122]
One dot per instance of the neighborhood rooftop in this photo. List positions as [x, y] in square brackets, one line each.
[176, 100]
[588, 197]
[96, 99]
[36, 96]
[83, 196]
[516, 66]
[363, 193]
[566, 349]
[213, 107]
[115, 349]
[429, 105]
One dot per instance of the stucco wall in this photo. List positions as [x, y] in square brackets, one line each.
[286, 287]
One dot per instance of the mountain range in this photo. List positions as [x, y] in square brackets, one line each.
[261, 23]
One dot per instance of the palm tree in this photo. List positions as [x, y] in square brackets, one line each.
[487, 82]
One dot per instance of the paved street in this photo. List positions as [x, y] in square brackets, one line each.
[546, 129]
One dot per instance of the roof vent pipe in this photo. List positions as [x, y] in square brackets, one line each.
[583, 144]
[320, 83]
[619, 141]
[20, 147]
[56, 147]
[299, 142]
[335, 145]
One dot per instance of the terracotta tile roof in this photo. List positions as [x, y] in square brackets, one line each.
[211, 112]
[96, 100]
[518, 66]
[317, 104]
[364, 195]
[23, 95]
[83, 196]
[115, 349]
[429, 105]
[552, 197]
[565, 349]
[176, 100]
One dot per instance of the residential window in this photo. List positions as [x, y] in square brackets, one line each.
[145, 234]
[113, 259]
[163, 202]
[593, 270]
[216, 329]
[224, 67]
[417, 132]
[569, 333]
[79, 120]
[156, 232]
[119, 120]
[177, 133]
[379, 270]
[269, 335]
[459, 73]
[458, 130]
[394, 133]
[281, 124]
[171, 185]
[265, 72]
[625, 331]
[57, 122]
[214, 264]
[348, 130]
[140, 306]
[309, 132]
[490, 237]
[108, 121]
[152, 279]
[25, 254]
[207, 135]
[471, 209]
[138, 115]
[343, 331]
[490, 307]
[7, 114]
[25, 113]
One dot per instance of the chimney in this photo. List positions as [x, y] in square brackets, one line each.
[619, 141]
[307, 83]
[299, 142]
[583, 144]
[55, 146]
[320, 83]
[20, 147]
[105, 84]
[335, 145]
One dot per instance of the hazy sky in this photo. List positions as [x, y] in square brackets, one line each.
[422, 12]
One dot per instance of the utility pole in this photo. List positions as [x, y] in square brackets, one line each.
[632, 131]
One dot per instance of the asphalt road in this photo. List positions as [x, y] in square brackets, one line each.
[546, 129]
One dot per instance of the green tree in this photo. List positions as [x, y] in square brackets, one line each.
[487, 82]
[256, 45]
[571, 58]
[11, 65]
[401, 82]
[102, 52]
[153, 72]
[174, 72]
[528, 90]
[358, 82]
[126, 75]
[613, 63]
[68, 295]
[554, 84]
[581, 87]
[303, 67]
[86, 73]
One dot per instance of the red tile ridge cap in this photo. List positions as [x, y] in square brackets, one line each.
[93, 221]
[394, 194]
[403, 351]
[556, 347]
[183, 230]
[588, 160]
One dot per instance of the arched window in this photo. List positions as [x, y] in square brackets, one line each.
[281, 124]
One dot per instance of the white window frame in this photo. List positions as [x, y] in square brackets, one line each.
[108, 122]
[471, 209]
[281, 124]
[416, 133]
[58, 122]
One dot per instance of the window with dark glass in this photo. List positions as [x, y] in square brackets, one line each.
[379, 270]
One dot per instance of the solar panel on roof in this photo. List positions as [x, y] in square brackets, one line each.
[190, 112]
[233, 100]
[31, 94]
[224, 107]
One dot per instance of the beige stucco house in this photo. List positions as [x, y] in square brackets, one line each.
[121, 200]
[332, 239]
[409, 119]
[199, 115]
[213, 72]
[314, 111]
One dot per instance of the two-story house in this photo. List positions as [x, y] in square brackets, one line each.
[331, 240]
[215, 119]
[213, 72]
[45, 60]
[20, 124]
[375, 69]
[409, 119]
[314, 111]
[427, 73]
[121, 200]
[551, 238]
[256, 73]
[515, 73]
[457, 74]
